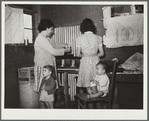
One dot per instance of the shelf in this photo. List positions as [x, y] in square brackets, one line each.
[71, 56]
[18, 45]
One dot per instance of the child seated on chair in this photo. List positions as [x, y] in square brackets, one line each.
[100, 85]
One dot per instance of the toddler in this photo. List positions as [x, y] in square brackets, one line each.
[47, 88]
[101, 80]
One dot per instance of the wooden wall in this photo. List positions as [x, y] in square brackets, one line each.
[15, 57]
[70, 15]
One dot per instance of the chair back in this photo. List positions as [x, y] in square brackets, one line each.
[112, 83]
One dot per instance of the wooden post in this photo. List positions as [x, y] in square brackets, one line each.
[79, 107]
[66, 89]
[85, 105]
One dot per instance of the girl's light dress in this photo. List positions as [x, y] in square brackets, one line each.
[44, 95]
[89, 44]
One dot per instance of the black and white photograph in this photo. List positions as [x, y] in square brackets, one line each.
[74, 60]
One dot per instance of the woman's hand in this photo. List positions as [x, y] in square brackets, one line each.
[94, 82]
[101, 50]
[67, 50]
[97, 83]
[67, 46]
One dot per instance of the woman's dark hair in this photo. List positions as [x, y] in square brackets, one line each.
[104, 64]
[52, 69]
[44, 24]
[87, 25]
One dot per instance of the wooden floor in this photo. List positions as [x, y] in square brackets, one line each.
[73, 105]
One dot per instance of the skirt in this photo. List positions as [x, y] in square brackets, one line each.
[87, 71]
[45, 97]
[38, 74]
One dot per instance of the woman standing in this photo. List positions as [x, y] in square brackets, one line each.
[89, 47]
[46, 50]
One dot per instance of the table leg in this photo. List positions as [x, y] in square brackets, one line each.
[115, 101]
[85, 105]
[66, 89]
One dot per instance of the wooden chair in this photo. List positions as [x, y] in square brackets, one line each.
[83, 101]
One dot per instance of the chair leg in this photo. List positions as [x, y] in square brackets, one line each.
[79, 107]
[94, 105]
[90, 105]
[99, 105]
[85, 105]
[105, 105]
[109, 106]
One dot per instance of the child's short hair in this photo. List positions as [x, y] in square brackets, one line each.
[104, 64]
[52, 69]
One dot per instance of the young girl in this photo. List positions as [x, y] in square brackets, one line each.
[47, 88]
[101, 80]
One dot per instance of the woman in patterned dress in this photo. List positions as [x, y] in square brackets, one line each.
[90, 48]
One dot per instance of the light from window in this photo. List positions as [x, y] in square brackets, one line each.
[28, 28]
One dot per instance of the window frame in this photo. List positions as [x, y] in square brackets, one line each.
[29, 28]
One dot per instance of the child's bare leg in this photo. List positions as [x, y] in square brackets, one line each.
[49, 105]
[90, 106]
[42, 105]
[98, 94]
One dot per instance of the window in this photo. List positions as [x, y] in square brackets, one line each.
[18, 24]
[28, 34]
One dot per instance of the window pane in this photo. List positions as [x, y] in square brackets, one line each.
[27, 21]
[28, 35]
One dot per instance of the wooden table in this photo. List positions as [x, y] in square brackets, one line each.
[66, 71]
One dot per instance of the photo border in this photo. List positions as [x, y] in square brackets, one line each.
[75, 114]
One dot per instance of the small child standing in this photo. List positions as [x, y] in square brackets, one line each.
[101, 80]
[47, 87]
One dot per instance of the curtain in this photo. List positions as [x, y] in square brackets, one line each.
[14, 25]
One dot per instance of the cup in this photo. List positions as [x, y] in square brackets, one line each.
[73, 63]
[93, 87]
[63, 63]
